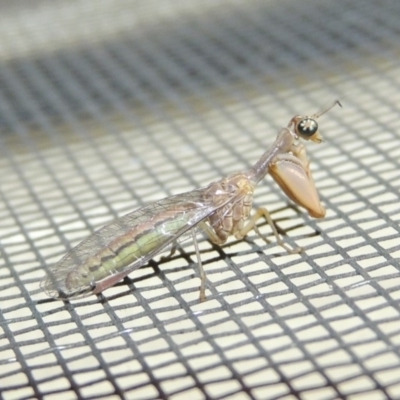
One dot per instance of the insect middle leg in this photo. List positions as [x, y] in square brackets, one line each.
[252, 224]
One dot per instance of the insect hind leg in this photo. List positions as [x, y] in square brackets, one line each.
[201, 269]
[174, 248]
[252, 224]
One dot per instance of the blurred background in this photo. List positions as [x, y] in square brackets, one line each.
[109, 105]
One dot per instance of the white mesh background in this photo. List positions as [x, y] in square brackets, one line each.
[109, 105]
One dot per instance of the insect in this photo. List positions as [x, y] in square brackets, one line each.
[219, 209]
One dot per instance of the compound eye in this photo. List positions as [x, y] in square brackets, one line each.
[307, 127]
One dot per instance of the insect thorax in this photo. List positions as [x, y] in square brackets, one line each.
[234, 198]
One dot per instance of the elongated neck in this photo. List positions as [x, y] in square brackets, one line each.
[282, 144]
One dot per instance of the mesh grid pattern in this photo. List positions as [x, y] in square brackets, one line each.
[107, 106]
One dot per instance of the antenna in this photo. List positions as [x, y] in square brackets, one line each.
[327, 109]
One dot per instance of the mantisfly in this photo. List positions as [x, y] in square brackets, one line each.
[220, 209]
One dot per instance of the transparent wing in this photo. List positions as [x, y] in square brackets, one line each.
[127, 243]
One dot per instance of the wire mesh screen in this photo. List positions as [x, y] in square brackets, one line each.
[109, 105]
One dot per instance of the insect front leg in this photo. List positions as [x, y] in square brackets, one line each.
[291, 171]
[252, 224]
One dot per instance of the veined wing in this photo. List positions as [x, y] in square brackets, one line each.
[127, 243]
